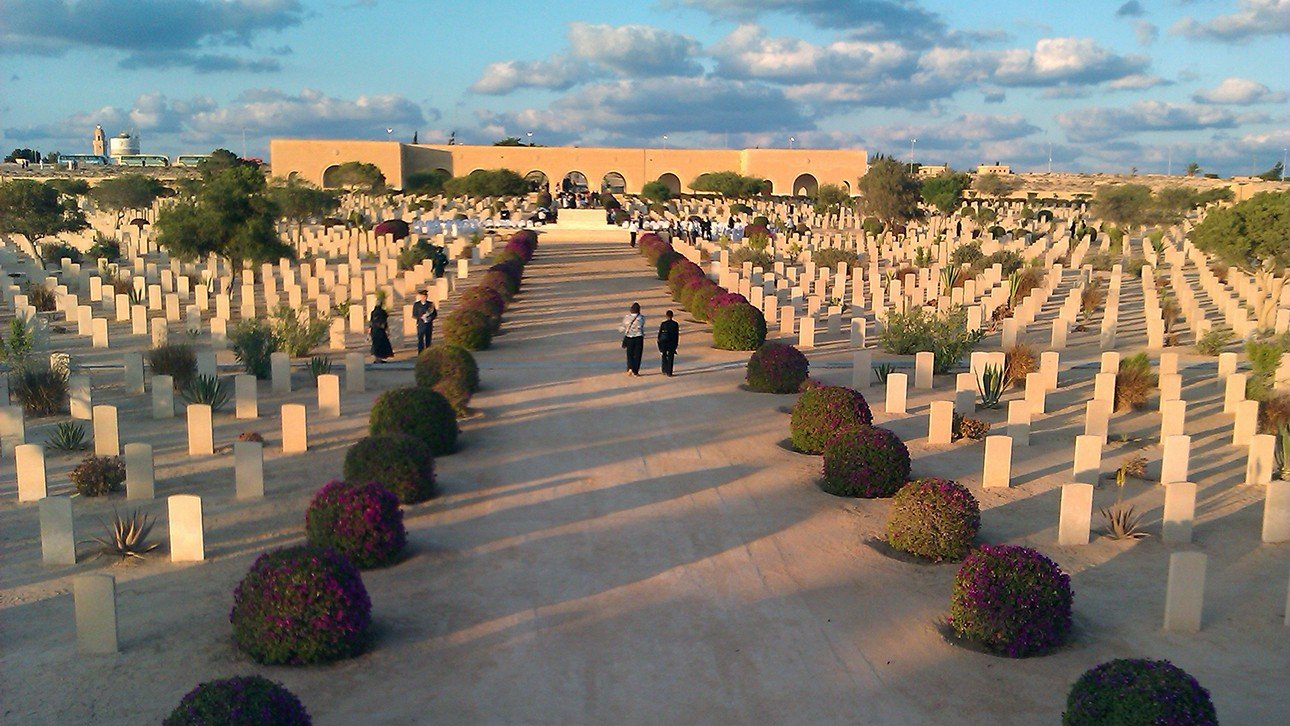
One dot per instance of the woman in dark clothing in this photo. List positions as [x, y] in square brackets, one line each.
[379, 325]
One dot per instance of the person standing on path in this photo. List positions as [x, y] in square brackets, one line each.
[633, 330]
[669, 337]
[379, 330]
[425, 313]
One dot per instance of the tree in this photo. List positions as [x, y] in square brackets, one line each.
[487, 183]
[22, 155]
[728, 184]
[426, 182]
[656, 191]
[299, 202]
[70, 187]
[994, 185]
[129, 191]
[1125, 205]
[218, 161]
[944, 191]
[1193, 169]
[509, 141]
[1273, 174]
[230, 216]
[831, 198]
[35, 210]
[888, 191]
[1252, 235]
[359, 176]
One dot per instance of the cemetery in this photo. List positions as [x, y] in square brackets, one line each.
[880, 432]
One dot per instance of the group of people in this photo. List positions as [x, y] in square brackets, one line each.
[378, 326]
[633, 330]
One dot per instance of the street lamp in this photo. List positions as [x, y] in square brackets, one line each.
[791, 141]
[530, 135]
[1283, 163]
[664, 141]
[911, 154]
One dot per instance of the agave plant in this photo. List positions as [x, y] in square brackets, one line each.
[882, 370]
[67, 436]
[127, 536]
[1122, 522]
[209, 390]
[992, 384]
[138, 297]
[950, 277]
[1283, 452]
[319, 365]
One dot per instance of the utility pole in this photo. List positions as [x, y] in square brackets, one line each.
[911, 154]
[1050, 157]
[1170, 167]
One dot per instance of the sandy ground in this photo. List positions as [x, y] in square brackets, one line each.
[615, 550]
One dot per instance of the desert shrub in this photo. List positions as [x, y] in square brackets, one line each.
[966, 427]
[1274, 412]
[738, 327]
[486, 300]
[1264, 357]
[418, 412]
[41, 298]
[296, 331]
[865, 461]
[404, 465]
[239, 701]
[254, 436]
[104, 247]
[1133, 268]
[253, 344]
[41, 389]
[1009, 260]
[301, 605]
[415, 253]
[176, 360]
[821, 412]
[777, 368]
[442, 362]
[921, 329]
[469, 329]
[663, 265]
[209, 390]
[54, 252]
[1012, 600]
[98, 475]
[829, 258]
[933, 518]
[872, 226]
[1138, 692]
[758, 258]
[360, 520]
[1101, 261]
[1018, 362]
[1134, 382]
[966, 254]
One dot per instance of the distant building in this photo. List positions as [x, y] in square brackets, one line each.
[927, 170]
[123, 144]
[100, 142]
[995, 168]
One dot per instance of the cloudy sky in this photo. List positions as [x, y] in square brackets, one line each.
[1105, 85]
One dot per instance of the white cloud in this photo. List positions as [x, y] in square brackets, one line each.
[559, 72]
[1146, 32]
[1064, 60]
[635, 50]
[1255, 18]
[747, 52]
[1099, 123]
[1238, 92]
[1138, 82]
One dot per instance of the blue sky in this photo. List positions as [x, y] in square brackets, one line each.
[1109, 85]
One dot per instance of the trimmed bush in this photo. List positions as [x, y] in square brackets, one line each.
[239, 701]
[301, 605]
[723, 299]
[777, 368]
[663, 265]
[500, 281]
[738, 327]
[442, 362]
[403, 464]
[698, 298]
[1137, 691]
[418, 412]
[1012, 600]
[359, 520]
[98, 475]
[176, 360]
[933, 518]
[822, 412]
[866, 462]
[468, 328]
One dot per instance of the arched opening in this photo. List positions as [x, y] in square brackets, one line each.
[614, 183]
[574, 181]
[329, 177]
[846, 186]
[767, 187]
[805, 185]
[293, 176]
[537, 180]
[671, 181]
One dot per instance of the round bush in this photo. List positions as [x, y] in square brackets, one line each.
[663, 265]
[738, 327]
[239, 701]
[777, 368]
[823, 411]
[722, 299]
[933, 518]
[403, 464]
[1137, 691]
[468, 328]
[418, 412]
[301, 605]
[442, 362]
[500, 282]
[865, 461]
[696, 299]
[491, 316]
[486, 299]
[1012, 600]
[359, 520]
[98, 475]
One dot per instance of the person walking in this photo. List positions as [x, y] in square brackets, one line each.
[379, 330]
[425, 313]
[669, 337]
[633, 330]
[633, 227]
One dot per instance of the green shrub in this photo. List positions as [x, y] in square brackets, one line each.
[1214, 341]
[469, 329]
[209, 390]
[777, 368]
[98, 475]
[829, 258]
[966, 254]
[41, 390]
[922, 329]
[1138, 692]
[418, 412]
[443, 362]
[253, 344]
[359, 520]
[239, 701]
[936, 519]
[873, 226]
[1010, 260]
[758, 258]
[663, 266]
[821, 412]
[865, 461]
[296, 331]
[176, 360]
[1265, 358]
[403, 464]
[738, 327]
[1012, 600]
[1134, 382]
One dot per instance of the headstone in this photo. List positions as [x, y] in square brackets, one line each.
[1233, 392]
[245, 395]
[187, 535]
[1247, 421]
[897, 386]
[207, 364]
[1104, 387]
[29, 460]
[940, 423]
[924, 361]
[140, 481]
[965, 393]
[1076, 514]
[997, 471]
[1170, 387]
[248, 467]
[1036, 393]
[1176, 460]
[78, 389]
[201, 435]
[1185, 593]
[806, 333]
[1049, 363]
[1180, 511]
[57, 531]
[107, 440]
[280, 371]
[1173, 418]
[861, 370]
[163, 397]
[1088, 459]
[329, 395]
[1019, 423]
[132, 363]
[13, 429]
[1261, 459]
[295, 436]
[1097, 419]
[355, 373]
[94, 598]
[1276, 512]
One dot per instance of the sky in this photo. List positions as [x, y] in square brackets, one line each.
[1093, 86]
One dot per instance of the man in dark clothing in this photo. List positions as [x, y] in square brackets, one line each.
[669, 337]
[425, 313]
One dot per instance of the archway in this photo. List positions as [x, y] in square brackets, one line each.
[329, 177]
[613, 183]
[846, 186]
[671, 181]
[767, 187]
[538, 181]
[574, 181]
[293, 176]
[805, 185]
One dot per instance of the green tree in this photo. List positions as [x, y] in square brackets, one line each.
[831, 199]
[22, 154]
[1273, 174]
[995, 185]
[888, 191]
[509, 141]
[218, 161]
[656, 191]
[70, 187]
[728, 184]
[1193, 169]
[231, 216]
[944, 191]
[1252, 235]
[487, 183]
[359, 176]
[1125, 205]
[426, 182]
[299, 202]
[126, 192]
[35, 210]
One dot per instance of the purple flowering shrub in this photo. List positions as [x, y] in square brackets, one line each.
[777, 368]
[403, 464]
[821, 412]
[696, 297]
[738, 326]
[1012, 600]
[301, 605]
[722, 300]
[418, 412]
[239, 701]
[1138, 691]
[865, 461]
[468, 328]
[359, 520]
[933, 518]
[501, 282]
